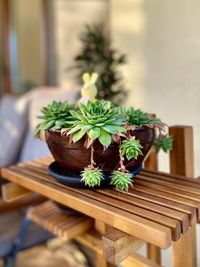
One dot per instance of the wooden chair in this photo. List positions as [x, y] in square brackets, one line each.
[181, 163]
[12, 199]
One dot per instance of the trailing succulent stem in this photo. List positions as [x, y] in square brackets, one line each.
[92, 176]
[122, 178]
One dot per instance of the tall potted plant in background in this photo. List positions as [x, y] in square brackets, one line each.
[97, 55]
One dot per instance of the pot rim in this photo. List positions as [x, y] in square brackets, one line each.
[97, 144]
[136, 128]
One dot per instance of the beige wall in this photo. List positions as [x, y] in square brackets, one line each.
[27, 22]
[69, 18]
[162, 41]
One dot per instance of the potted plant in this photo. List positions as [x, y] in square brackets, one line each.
[97, 143]
[96, 54]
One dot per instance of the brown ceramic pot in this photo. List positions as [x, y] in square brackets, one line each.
[74, 157]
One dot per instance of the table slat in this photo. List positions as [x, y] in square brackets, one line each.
[132, 224]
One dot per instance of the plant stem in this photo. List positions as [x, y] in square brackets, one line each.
[121, 162]
[92, 162]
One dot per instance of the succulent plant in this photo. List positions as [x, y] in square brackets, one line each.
[99, 119]
[164, 143]
[97, 55]
[139, 118]
[121, 180]
[55, 116]
[92, 176]
[131, 149]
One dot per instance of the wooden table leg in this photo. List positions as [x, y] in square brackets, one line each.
[184, 250]
[100, 260]
[182, 162]
[118, 246]
[154, 253]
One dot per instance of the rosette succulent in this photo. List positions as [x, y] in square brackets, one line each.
[164, 143]
[54, 116]
[99, 120]
[139, 118]
[92, 177]
[131, 149]
[121, 180]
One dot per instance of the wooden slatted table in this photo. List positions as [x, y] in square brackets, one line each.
[158, 209]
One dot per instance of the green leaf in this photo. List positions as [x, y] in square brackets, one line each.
[100, 124]
[94, 133]
[79, 135]
[87, 127]
[74, 129]
[105, 138]
[110, 129]
[59, 123]
[113, 129]
[49, 125]
[76, 115]
[120, 129]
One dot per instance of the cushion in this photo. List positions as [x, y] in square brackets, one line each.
[13, 125]
[33, 147]
[10, 227]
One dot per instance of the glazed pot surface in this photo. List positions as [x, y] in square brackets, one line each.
[75, 157]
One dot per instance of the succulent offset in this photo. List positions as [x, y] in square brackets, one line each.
[131, 149]
[54, 116]
[164, 143]
[92, 177]
[139, 118]
[121, 180]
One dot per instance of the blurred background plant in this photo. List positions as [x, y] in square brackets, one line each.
[97, 55]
